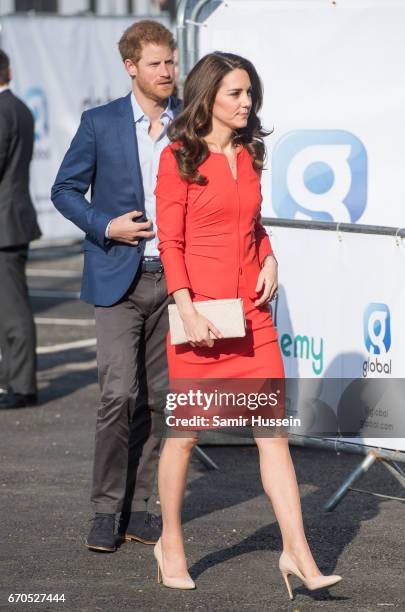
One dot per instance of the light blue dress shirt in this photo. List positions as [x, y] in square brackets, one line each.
[149, 156]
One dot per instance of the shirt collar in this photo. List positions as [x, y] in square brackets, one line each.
[139, 114]
[4, 88]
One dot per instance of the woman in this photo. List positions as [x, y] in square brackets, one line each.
[213, 246]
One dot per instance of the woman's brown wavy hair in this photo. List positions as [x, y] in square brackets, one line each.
[195, 121]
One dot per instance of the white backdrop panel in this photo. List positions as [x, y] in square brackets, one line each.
[333, 87]
[61, 67]
[341, 307]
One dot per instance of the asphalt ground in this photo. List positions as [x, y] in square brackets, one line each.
[232, 540]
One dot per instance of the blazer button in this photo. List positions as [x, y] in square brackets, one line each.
[138, 249]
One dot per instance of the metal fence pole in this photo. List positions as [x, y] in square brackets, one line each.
[191, 33]
[181, 33]
[355, 475]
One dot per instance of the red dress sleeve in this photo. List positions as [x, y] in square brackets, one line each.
[171, 203]
[263, 245]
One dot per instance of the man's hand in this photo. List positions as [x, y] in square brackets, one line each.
[125, 228]
[267, 280]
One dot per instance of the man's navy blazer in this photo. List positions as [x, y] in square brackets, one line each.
[104, 155]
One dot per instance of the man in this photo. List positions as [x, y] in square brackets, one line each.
[18, 226]
[116, 150]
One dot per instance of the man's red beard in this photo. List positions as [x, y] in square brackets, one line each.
[154, 92]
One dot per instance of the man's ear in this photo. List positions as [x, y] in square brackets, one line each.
[131, 68]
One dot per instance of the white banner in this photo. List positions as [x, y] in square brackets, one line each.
[341, 315]
[334, 93]
[60, 67]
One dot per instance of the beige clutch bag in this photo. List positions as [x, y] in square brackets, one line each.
[226, 315]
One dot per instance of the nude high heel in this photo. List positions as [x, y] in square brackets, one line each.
[177, 582]
[288, 568]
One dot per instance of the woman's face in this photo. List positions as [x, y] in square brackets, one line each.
[233, 100]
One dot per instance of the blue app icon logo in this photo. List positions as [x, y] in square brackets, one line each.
[377, 329]
[36, 99]
[319, 175]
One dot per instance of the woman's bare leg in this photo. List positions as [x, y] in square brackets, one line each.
[172, 475]
[280, 484]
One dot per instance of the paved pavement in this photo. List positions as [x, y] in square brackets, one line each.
[233, 542]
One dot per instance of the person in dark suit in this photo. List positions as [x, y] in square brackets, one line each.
[116, 151]
[18, 226]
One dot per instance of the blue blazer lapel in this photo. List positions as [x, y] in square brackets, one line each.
[177, 105]
[127, 135]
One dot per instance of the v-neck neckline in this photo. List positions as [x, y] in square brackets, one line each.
[235, 179]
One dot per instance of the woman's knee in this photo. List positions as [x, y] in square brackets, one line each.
[272, 443]
[182, 444]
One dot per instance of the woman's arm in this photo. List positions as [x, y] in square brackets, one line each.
[171, 210]
[196, 326]
[171, 205]
[267, 281]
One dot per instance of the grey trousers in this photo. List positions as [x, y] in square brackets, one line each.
[17, 329]
[133, 378]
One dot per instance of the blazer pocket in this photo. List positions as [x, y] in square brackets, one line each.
[89, 246]
[95, 248]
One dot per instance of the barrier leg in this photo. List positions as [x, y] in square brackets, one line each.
[395, 471]
[355, 475]
[207, 461]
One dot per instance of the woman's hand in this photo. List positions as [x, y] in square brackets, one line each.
[197, 328]
[267, 280]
